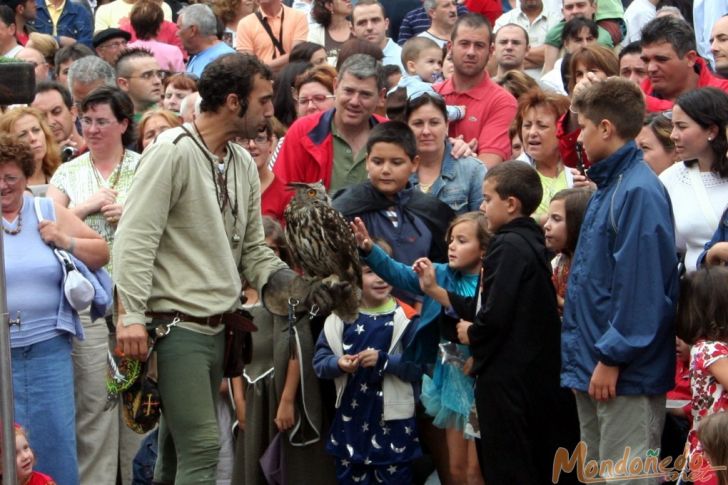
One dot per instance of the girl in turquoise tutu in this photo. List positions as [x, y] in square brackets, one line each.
[448, 395]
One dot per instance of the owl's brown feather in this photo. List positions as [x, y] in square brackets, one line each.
[323, 245]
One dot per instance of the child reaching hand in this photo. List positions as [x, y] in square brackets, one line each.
[702, 322]
[447, 396]
[373, 436]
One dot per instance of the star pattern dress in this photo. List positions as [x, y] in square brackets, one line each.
[359, 433]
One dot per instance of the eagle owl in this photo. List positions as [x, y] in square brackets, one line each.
[323, 245]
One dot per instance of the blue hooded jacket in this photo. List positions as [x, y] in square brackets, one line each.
[623, 283]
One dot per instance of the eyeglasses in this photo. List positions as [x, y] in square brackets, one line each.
[150, 74]
[113, 45]
[259, 140]
[101, 123]
[10, 180]
[316, 99]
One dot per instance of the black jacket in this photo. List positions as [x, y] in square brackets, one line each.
[516, 333]
[421, 213]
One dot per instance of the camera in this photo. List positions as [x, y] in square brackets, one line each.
[67, 153]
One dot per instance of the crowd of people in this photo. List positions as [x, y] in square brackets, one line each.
[532, 194]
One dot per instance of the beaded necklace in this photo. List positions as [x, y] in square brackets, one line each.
[16, 231]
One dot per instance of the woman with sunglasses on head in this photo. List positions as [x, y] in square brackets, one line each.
[458, 183]
[698, 186]
[94, 186]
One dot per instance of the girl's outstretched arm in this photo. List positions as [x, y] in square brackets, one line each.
[428, 282]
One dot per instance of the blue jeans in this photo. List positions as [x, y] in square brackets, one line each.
[44, 405]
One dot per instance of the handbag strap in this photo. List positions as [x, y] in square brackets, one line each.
[701, 195]
[65, 260]
[38, 211]
[276, 41]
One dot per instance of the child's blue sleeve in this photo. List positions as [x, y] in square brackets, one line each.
[393, 272]
[325, 362]
[720, 235]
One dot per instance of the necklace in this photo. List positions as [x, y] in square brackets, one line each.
[113, 178]
[16, 231]
[219, 172]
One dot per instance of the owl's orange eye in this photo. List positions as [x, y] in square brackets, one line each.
[311, 193]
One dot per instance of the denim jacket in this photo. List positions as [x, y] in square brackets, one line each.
[75, 21]
[460, 184]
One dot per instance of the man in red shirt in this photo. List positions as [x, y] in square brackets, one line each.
[489, 109]
[673, 64]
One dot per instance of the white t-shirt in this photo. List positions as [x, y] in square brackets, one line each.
[636, 16]
[692, 228]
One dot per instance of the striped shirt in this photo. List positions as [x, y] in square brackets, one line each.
[417, 21]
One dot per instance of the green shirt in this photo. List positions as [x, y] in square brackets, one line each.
[553, 37]
[348, 169]
[551, 186]
[79, 179]
[174, 250]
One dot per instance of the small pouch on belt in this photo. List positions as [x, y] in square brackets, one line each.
[238, 342]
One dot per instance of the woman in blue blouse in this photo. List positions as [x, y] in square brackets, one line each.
[40, 340]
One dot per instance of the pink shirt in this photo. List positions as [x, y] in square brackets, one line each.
[168, 56]
[489, 111]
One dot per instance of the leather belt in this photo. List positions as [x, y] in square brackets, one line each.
[241, 320]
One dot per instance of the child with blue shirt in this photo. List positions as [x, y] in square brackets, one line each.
[422, 60]
[373, 436]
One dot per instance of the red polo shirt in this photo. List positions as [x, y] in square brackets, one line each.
[489, 111]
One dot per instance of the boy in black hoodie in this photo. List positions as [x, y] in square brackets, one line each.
[515, 336]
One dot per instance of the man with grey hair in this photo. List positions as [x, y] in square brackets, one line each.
[443, 15]
[87, 74]
[197, 29]
[331, 145]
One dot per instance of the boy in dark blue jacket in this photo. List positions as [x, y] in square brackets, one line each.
[618, 340]
[412, 222]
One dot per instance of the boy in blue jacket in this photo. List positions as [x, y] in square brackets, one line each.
[618, 341]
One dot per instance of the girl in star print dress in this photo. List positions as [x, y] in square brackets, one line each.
[373, 437]
[703, 322]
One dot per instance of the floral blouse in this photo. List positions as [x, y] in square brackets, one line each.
[709, 397]
[79, 179]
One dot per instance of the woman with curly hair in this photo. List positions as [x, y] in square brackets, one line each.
[41, 345]
[29, 126]
[538, 112]
[332, 27]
